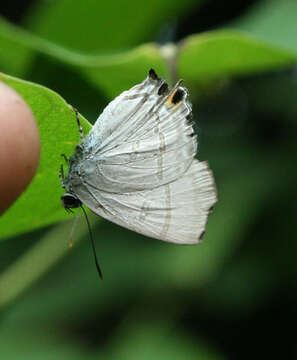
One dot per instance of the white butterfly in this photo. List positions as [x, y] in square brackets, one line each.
[136, 166]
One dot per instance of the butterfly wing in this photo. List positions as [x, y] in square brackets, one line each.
[140, 170]
[143, 139]
[175, 212]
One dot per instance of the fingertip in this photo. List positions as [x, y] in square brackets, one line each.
[19, 146]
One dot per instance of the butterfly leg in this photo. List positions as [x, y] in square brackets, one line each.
[61, 176]
[78, 123]
[65, 158]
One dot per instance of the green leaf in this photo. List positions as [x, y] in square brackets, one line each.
[273, 21]
[202, 58]
[218, 54]
[104, 26]
[17, 48]
[40, 204]
[117, 73]
[112, 73]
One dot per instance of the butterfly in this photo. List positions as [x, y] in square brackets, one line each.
[136, 166]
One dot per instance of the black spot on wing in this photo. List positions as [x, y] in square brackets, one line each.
[189, 117]
[178, 96]
[201, 235]
[163, 89]
[153, 75]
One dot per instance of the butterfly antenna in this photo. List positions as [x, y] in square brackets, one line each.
[78, 123]
[93, 245]
[61, 176]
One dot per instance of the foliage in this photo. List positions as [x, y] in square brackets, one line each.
[244, 97]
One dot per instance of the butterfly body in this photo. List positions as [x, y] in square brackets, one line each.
[136, 166]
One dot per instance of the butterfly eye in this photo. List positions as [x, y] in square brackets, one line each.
[70, 201]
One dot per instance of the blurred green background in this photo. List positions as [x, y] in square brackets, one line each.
[233, 296]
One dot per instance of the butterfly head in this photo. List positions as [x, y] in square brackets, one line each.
[70, 201]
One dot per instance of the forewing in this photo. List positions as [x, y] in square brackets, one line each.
[175, 212]
[142, 140]
[128, 113]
